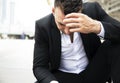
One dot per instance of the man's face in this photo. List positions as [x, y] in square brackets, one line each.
[59, 16]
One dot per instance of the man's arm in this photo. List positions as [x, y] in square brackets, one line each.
[41, 57]
[111, 26]
[79, 22]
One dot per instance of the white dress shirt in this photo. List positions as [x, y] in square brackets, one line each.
[73, 56]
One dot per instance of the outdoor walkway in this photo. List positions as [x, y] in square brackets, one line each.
[16, 58]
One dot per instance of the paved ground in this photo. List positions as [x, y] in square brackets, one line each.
[16, 58]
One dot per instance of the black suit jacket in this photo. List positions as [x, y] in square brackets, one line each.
[47, 49]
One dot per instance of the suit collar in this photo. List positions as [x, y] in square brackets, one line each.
[86, 43]
[56, 42]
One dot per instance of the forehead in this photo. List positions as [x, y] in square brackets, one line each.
[59, 15]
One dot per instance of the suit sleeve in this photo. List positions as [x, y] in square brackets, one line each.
[41, 57]
[111, 26]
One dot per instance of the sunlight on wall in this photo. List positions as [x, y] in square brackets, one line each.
[27, 11]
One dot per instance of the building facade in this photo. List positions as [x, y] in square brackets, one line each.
[112, 7]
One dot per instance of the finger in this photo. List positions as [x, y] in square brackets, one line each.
[67, 30]
[71, 20]
[75, 30]
[74, 15]
[73, 25]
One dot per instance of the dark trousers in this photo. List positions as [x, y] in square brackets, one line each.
[114, 62]
[97, 71]
[104, 65]
[64, 77]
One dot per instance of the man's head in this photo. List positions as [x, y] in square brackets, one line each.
[68, 6]
[64, 7]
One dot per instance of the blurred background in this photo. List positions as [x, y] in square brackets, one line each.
[17, 27]
[112, 7]
[17, 17]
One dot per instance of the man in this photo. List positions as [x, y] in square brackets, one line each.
[68, 47]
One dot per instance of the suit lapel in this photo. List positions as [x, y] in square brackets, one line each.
[85, 40]
[56, 42]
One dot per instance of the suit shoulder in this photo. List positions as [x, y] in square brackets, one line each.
[91, 8]
[44, 20]
[45, 23]
[91, 4]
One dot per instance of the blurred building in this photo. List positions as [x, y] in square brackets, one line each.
[112, 7]
[6, 12]
[8, 28]
[12, 11]
[2, 10]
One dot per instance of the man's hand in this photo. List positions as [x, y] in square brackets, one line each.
[78, 22]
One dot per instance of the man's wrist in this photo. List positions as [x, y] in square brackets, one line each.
[97, 27]
[54, 81]
[102, 32]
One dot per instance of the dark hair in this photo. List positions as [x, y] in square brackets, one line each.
[69, 6]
